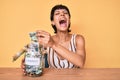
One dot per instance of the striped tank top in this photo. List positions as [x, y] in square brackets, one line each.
[55, 62]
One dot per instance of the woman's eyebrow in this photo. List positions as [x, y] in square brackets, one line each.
[57, 11]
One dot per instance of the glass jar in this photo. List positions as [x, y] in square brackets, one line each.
[34, 58]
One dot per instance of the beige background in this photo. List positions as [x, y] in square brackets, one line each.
[97, 20]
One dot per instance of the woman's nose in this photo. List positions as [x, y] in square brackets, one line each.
[62, 14]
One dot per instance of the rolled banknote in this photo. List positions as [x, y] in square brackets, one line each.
[24, 50]
[26, 47]
[18, 54]
[33, 36]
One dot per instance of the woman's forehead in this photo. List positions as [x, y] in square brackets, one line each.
[57, 10]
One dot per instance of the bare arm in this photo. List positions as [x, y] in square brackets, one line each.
[79, 57]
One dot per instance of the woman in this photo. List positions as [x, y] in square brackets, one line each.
[64, 50]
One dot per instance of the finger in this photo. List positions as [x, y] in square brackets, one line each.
[23, 66]
[43, 38]
[40, 39]
[24, 72]
[22, 63]
[41, 35]
[40, 32]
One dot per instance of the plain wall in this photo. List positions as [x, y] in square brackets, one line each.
[97, 20]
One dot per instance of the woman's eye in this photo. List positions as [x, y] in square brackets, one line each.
[65, 12]
[57, 13]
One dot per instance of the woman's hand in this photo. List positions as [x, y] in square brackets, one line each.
[23, 66]
[44, 38]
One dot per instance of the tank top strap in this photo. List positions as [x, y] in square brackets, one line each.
[73, 43]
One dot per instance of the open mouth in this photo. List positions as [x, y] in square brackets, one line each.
[63, 22]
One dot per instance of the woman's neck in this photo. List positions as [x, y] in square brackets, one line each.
[62, 36]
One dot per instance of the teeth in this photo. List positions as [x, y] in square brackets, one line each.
[62, 21]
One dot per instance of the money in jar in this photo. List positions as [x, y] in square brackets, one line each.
[34, 57]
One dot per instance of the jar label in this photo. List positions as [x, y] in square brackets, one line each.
[32, 61]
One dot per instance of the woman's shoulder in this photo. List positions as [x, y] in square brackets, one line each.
[79, 38]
